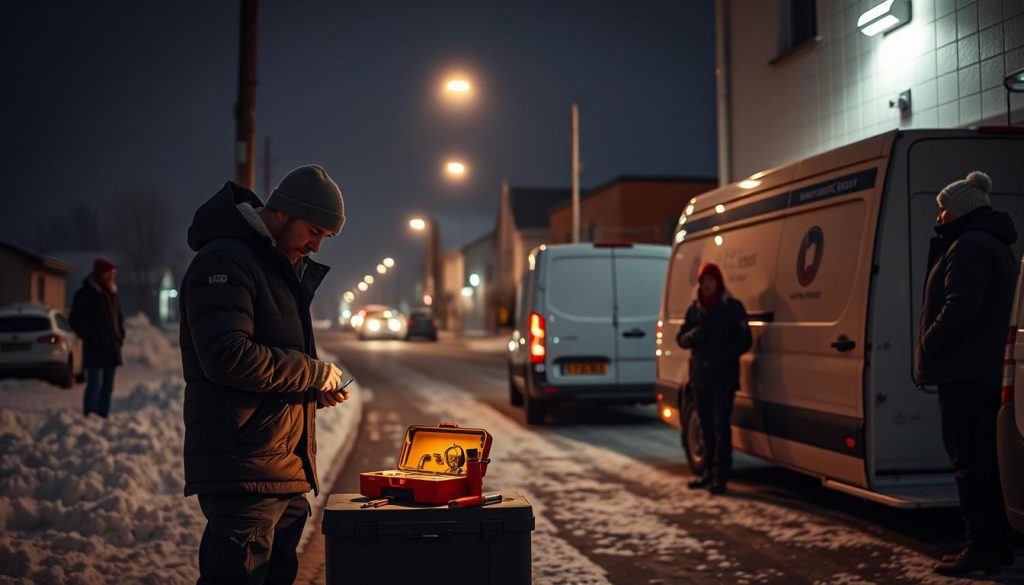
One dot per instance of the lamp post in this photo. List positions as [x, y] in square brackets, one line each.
[433, 269]
[460, 87]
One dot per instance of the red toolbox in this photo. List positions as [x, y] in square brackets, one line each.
[432, 466]
[403, 543]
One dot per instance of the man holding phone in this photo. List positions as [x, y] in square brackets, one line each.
[253, 380]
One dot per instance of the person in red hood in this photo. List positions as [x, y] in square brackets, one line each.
[717, 334]
[96, 318]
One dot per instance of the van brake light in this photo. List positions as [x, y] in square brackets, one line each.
[538, 350]
[1006, 394]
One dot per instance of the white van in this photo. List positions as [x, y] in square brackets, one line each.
[585, 316]
[1010, 421]
[829, 256]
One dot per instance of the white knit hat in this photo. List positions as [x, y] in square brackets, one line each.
[964, 196]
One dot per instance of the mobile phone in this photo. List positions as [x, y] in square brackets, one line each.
[345, 384]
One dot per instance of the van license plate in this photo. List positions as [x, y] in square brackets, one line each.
[585, 369]
[16, 346]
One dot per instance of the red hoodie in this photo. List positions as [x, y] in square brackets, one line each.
[710, 301]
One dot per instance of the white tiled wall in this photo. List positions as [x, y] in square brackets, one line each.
[952, 55]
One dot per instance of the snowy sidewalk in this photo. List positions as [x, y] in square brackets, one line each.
[86, 501]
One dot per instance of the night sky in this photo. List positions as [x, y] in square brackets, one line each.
[100, 97]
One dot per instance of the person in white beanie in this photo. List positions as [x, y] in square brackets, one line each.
[968, 295]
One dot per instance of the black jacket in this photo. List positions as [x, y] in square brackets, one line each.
[717, 339]
[248, 357]
[968, 295]
[96, 318]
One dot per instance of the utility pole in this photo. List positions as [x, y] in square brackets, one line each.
[266, 168]
[575, 174]
[245, 106]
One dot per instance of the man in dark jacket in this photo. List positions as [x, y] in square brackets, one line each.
[716, 331]
[96, 318]
[961, 334]
[253, 380]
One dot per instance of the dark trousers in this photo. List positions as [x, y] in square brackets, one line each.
[99, 386]
[714, 408]
[251, 538]
[969, 435]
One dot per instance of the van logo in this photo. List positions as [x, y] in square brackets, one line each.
[808, 261]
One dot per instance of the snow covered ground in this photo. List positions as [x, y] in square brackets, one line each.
[86, 500]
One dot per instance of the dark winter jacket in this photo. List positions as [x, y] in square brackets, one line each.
[96, 318]
[716, 338]
[248, 356]
[967, 299]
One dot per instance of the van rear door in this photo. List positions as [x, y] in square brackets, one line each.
[639, 279]
[579, 305]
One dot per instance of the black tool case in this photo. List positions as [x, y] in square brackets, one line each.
[410, 543]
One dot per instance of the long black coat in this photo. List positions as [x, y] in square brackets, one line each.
[248, 357]
[968, 295]
[717, 339]
[96, 318]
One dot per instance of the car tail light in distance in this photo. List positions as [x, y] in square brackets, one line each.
[50, 339]
[538, 350]
[1008, 366]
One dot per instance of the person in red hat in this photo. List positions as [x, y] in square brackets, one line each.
[96, 318]
[717, 334]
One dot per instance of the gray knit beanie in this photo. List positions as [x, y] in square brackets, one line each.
[964, 196]
[308, 193]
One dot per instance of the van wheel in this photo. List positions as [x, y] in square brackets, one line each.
[693, 440]
[515, 397]
[536, 410]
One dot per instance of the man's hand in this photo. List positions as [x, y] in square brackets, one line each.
[330, 393]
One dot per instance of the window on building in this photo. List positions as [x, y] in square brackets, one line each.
[798, 24]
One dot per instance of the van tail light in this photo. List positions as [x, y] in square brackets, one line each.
[538, 350]
[50, 339]
[1008, 366]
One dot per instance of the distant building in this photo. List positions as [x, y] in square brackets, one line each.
[469, 287]
[451, 284]
[523, 224]
[629, 209]
[29, 276]
[798, 77]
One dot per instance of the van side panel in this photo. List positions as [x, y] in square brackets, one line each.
[905, 423]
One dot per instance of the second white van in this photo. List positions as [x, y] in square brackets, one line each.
[585, 316]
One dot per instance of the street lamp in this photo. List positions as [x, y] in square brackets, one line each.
[462, 87]
[349, 296]
[418, 224]
[455, 169]
[368, 279]
[362, 286]
[389, 262]
[433, 269]
[381, 269]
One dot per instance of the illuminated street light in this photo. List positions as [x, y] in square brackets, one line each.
[349, 296]
[418, 223]
[363, 286]
[389, 262]
[467, 291]
[381, 269]
[457, 86]
[455, 168]
[474, 280]
[368, 279]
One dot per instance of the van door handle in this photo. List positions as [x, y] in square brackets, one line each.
[844, 343]
[634, 333]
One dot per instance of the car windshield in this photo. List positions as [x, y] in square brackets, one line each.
[24, 324]
[381, 314]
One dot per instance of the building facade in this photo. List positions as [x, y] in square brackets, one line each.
[629, 209]
[798, 77]
[28, 276]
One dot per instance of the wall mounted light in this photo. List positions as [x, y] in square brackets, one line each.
[885, 16]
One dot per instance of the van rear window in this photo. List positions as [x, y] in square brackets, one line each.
[24, 324]
[580, 286]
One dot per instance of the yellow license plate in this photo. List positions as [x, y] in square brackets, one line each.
[585, 369]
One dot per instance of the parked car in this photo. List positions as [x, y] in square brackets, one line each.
[381, 324]
[829, 256]
[1010, 421]
[421, 323]
[585, 318]
[36, 341]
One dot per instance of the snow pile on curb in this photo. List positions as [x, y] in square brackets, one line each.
[147, 345]
[94, 501]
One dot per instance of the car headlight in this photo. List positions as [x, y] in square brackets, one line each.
[373, 325]
[394, 324]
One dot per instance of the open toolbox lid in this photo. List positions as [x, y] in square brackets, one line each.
[442, 449]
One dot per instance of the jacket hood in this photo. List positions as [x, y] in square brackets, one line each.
[220, 218]
[986, 219]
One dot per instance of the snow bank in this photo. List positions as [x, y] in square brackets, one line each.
[86, 500]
